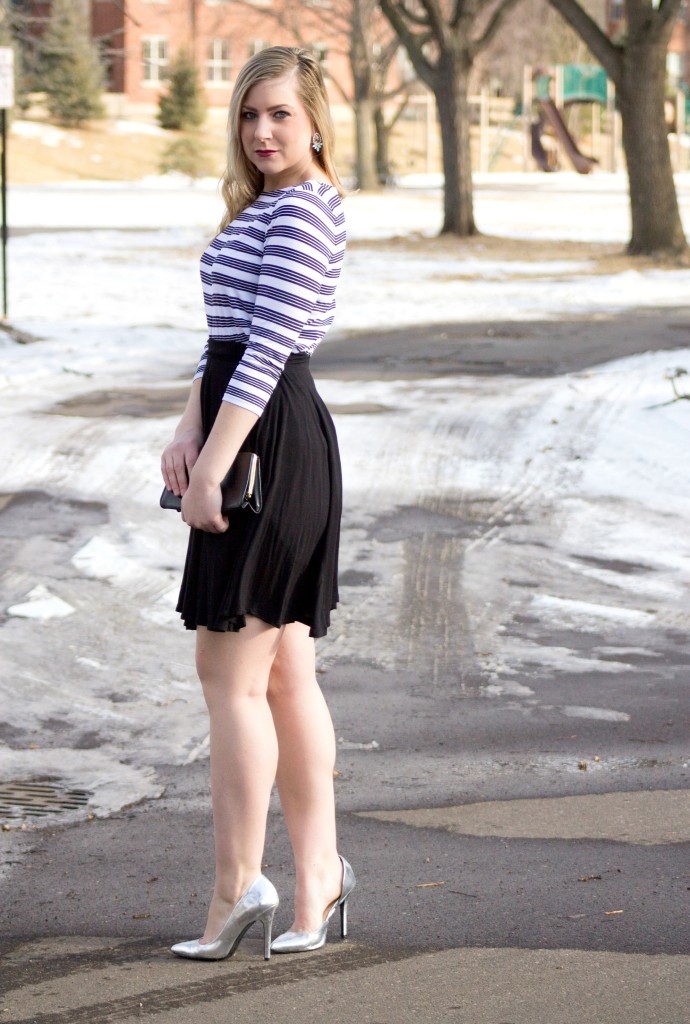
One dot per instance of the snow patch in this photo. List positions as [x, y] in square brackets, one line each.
[596, 714]
[566, 607]
[112, 783]
[41, 604]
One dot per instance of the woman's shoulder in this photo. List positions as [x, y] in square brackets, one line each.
[313, 197]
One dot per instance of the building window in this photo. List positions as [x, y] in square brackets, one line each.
[320, 51]
[256, 45]
[155, 58]
[218, 61]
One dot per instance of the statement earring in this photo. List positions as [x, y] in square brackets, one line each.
[317, 142]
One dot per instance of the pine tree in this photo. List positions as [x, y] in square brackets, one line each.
[71, 72]
[183, 106]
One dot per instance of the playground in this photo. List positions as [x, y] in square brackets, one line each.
[566, 119]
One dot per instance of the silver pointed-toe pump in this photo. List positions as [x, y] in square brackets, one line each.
[304, 942]
[258, 903]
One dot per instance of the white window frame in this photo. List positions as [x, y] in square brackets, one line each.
[156, 63]
[218, 60]
[255, 46]
[321, 52]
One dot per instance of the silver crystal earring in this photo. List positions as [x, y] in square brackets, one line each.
[317, 142]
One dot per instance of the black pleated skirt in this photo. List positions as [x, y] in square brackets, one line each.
[282, 564]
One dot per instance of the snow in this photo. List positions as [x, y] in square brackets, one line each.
[598, 714]
[106, 275]
[46, 134]
[122, 127]
[565, 609]
[41, 604]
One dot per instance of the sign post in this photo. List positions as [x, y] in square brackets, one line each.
[6, 103]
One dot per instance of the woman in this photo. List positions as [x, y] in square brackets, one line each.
[259, 588]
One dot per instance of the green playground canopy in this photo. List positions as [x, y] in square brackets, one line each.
[582, 83]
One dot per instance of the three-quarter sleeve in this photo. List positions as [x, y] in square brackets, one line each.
[201, 365]
[296, 282]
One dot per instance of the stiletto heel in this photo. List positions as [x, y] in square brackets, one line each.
[258, 903]
[303, 942]
[267, 921]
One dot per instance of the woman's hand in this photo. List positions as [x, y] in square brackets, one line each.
[201, 507]
[179, 458]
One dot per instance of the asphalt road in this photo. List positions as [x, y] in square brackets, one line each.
[553, 910]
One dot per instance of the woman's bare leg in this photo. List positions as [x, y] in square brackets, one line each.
[234, 670]
[306, 744]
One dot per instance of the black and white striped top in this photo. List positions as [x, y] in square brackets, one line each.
[269, 282]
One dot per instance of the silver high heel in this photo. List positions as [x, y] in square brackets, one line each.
[258, 903]
[303, 942]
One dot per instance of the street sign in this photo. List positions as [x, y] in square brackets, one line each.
[6, 77]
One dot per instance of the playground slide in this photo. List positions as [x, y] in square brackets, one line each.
[539, 154]
[582, 164]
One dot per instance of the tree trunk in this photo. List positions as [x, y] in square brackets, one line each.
[656, 223]
[454, 114]
[365, 149]
[361, 58]
[383, 135]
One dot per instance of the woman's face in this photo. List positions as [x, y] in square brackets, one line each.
[276, 133]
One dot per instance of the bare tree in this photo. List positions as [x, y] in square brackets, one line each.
[533, 33]
[443, 39]
[357, 17]
[637, 66]
[354, 29]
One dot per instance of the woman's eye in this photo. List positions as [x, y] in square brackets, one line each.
[248, 115]
[282, 114]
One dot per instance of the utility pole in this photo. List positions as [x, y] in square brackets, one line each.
[6, 103]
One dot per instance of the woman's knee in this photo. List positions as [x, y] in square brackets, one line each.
[292, 673]
[235, 664]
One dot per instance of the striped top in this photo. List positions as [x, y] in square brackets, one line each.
[269, 282]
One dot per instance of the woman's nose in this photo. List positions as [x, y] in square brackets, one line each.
[262, 129]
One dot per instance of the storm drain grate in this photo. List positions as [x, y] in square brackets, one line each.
[38, 799]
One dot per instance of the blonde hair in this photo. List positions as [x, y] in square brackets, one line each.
[242, 182]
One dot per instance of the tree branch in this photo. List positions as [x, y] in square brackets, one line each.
[436, 22]
[457, 14]
[390, 94]
[667, 12]
[399, 112]
[388, 52]
[495, 22]
[414, 42]
[415, 19]
[607, 53]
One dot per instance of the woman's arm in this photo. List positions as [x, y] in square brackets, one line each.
[182, 452]
[202, 499]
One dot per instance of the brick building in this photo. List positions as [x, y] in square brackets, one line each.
[139, 39]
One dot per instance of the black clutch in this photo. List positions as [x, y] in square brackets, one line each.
[241, 487]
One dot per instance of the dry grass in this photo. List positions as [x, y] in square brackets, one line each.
[100, 152]
[97, 153]
[602, 257]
